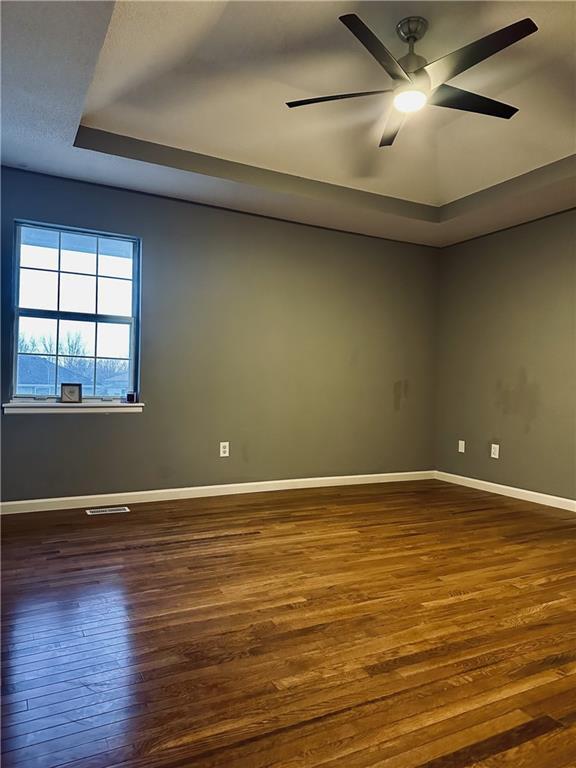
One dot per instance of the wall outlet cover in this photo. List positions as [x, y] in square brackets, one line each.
[224, 449]
[461, 446]
[495, 451]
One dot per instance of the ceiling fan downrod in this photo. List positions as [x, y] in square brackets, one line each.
[410, 30]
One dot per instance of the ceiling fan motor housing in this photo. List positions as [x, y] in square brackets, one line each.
[411, 62]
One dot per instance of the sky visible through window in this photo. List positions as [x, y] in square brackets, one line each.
[75, 313]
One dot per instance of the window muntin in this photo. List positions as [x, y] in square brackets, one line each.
[76, 312]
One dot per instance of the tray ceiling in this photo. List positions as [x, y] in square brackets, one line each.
[214, 78]
[187, 99]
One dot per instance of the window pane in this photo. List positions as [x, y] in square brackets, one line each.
[78, 253]
[76, 338]
[38, 248]
[76, 370]
[77, 293]
[113, 340]
[38, 290]
[112, 378]
[35, 375]
[37, 334]
[115, 257]
[114, 297]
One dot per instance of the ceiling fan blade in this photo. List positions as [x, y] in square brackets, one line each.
[444, 69]
[454, 98]
[375, 47]
[338, 96]
[393, 125]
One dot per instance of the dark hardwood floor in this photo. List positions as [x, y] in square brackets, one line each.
[401, 625]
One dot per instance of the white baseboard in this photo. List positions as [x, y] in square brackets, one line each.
[194, 492]
[507, 490]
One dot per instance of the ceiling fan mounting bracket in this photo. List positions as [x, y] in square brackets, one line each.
[411, 29]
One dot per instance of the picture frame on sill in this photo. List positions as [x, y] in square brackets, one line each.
[70, 393]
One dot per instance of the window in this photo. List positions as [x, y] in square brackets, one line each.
[76, 312]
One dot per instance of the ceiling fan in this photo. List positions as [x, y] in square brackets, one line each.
[418, 82]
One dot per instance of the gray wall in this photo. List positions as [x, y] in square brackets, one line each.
[314, 352]
[507, 356]
[311, 351]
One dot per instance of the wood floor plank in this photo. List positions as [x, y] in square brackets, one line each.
[406, 625]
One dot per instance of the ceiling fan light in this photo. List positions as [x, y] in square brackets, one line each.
[410, 101]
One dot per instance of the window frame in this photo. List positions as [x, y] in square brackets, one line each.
[132, 320]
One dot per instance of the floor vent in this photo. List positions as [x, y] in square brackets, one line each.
[106, 510]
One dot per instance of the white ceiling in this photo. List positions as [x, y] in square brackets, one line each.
[211, 78]
[214, 78]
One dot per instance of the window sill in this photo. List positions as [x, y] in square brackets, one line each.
[43, 406]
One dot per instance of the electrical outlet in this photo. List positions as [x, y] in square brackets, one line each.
[224, 450]
[461, 446]
[495, 451]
